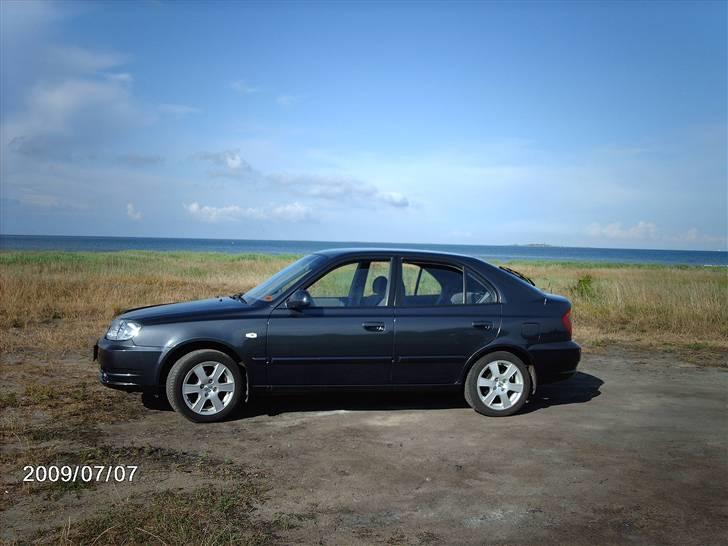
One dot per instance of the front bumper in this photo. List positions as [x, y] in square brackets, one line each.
[555, 361]
[124, 366]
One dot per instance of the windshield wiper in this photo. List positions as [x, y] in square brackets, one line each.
[239, 296]
[517, 274]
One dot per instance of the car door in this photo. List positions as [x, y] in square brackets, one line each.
[345, 337]
[444, 312]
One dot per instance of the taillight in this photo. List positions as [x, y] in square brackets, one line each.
[566, 321]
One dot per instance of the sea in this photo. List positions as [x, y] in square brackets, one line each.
[499, 253]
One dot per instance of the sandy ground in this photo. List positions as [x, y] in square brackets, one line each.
[631, 450]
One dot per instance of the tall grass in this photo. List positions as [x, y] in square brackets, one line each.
[61, 301]
[676, 305]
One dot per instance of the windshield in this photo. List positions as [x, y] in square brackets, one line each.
[283, 280]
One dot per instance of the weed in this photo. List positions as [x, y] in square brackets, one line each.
[584, 287]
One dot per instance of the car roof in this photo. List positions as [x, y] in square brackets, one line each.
[404, 252]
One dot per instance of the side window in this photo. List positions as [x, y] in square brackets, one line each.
[431, 284]
[357, 284]
[476, 291]
[332, 290]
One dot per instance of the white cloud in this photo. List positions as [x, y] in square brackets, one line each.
[393, 198]
[72, 114]
[177, 110]
[121, 77]
[292, 212]
[241, 87]
[79, 60]
[336, 188]
[286, 100]
[233, 161]
[132, 212]
[332, 188]
[641, 230]
[233, 164]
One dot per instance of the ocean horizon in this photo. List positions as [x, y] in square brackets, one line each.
[262, 246]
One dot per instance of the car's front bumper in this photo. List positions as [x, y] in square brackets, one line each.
[123, 365]
[555, 361]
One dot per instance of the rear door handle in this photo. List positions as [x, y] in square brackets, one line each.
[373, 326]
[482, 324]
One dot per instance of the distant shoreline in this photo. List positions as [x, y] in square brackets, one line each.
[11, 236]
[501, 253]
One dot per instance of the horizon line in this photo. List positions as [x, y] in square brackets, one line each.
[530, 245]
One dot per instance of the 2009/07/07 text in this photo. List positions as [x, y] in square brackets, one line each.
[84, 473]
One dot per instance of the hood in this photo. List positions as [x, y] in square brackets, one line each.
[189, 310]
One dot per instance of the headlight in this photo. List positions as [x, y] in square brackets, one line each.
[121, 330]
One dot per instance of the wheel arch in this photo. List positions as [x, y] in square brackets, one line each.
[520, 352]
[177, 352]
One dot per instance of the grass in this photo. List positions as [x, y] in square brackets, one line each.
[62, 301]
[206, 516]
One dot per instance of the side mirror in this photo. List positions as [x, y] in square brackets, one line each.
[300, 299]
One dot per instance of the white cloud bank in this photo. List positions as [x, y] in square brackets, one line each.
[335, 188]
[290, 212]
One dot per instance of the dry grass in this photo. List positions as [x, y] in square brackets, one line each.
[208, 516]
[681, 307]
[62, 301]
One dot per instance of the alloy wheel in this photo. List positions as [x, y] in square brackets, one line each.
[500, 385]
[208, 388]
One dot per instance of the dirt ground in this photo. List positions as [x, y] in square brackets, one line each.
[634, 449]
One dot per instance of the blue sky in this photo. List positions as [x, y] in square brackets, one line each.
[581, 124]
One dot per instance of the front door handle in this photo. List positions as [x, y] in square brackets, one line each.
[482, 324]
[373, 326]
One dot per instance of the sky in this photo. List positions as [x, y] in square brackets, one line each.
[599, 124]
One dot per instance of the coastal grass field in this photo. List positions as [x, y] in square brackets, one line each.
[61, 301]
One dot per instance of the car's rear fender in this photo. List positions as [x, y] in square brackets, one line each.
[498, 345]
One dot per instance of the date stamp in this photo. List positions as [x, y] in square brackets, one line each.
[83, 473]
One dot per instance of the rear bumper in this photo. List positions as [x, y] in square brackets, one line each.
[124, 366]
[555, 361]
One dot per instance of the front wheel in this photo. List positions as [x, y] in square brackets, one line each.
[205, 386]
[498, 384]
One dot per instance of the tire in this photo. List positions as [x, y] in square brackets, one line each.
[222, 385]
[497, 394]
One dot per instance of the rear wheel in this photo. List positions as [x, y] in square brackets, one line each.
[498, 384]
[205, 385]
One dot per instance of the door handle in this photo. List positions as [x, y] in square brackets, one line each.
[373, 326]
[482, 324]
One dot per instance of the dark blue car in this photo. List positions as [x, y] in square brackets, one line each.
[350, 319]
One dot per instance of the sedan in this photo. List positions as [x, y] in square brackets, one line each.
[351, 319]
